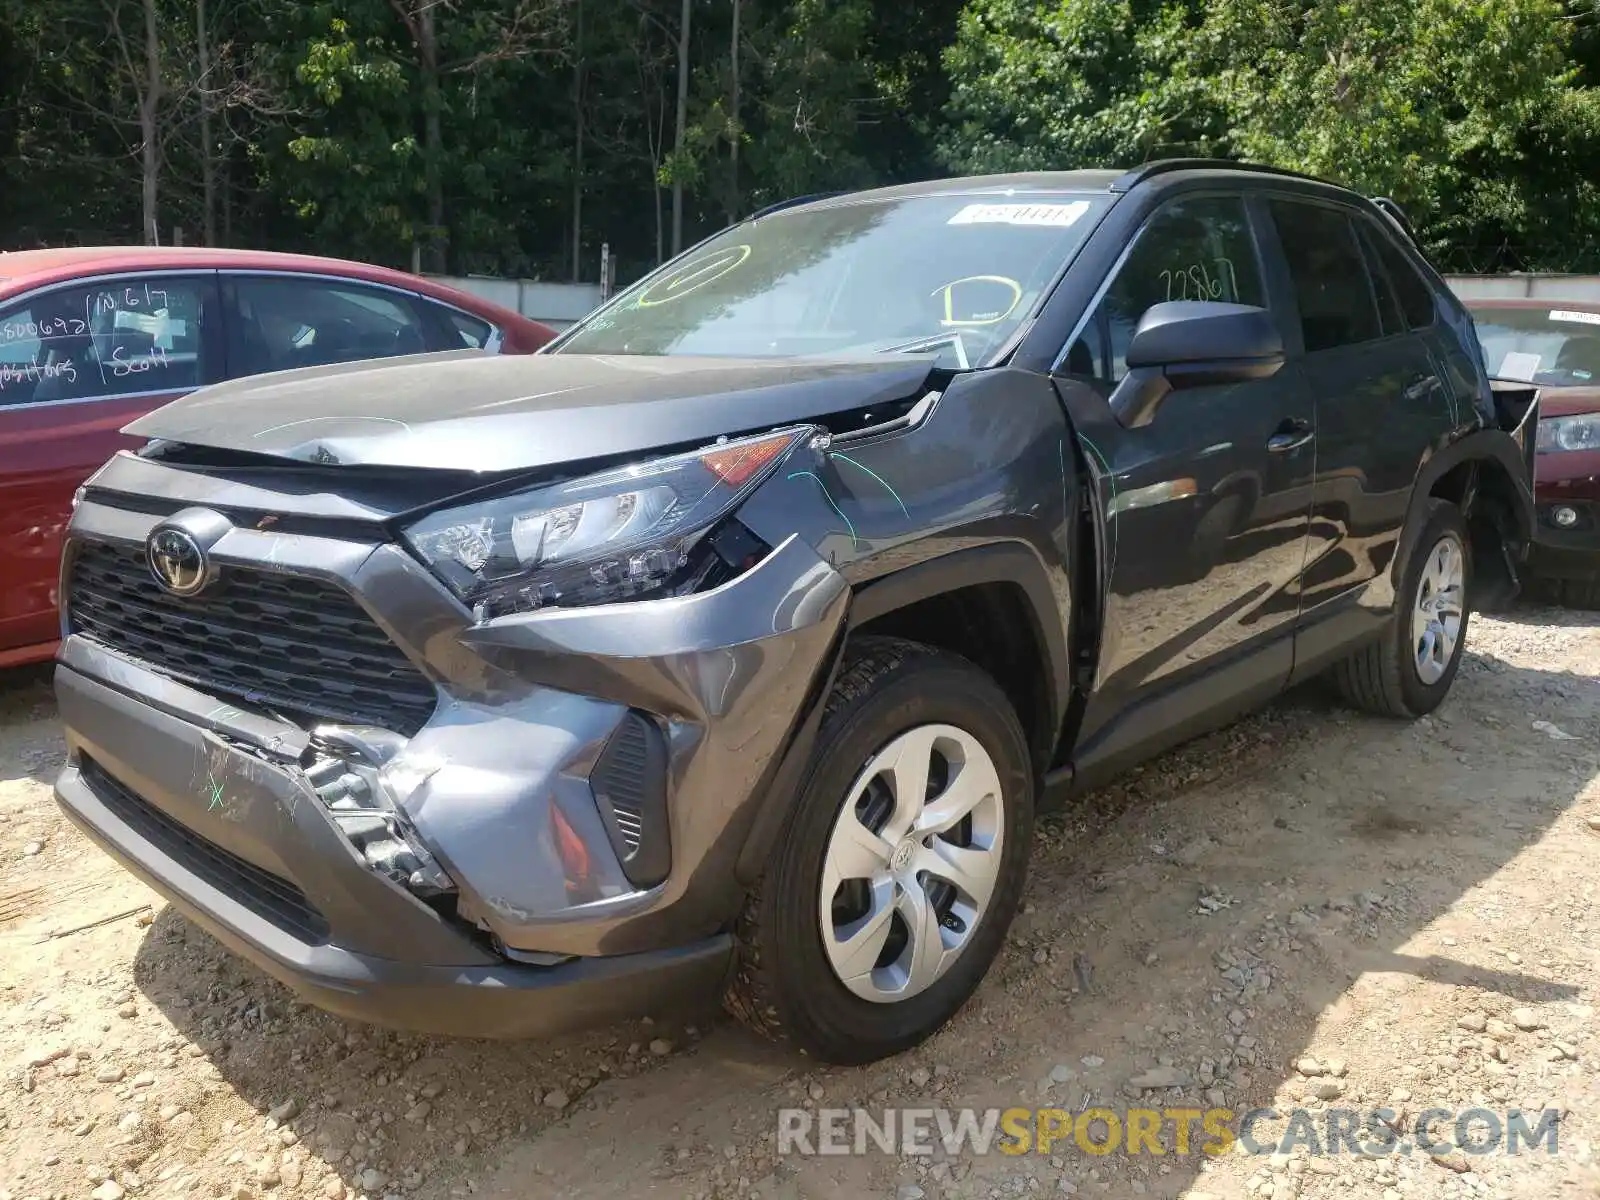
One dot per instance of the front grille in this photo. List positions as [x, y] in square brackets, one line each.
[288, 643]
[270, 897]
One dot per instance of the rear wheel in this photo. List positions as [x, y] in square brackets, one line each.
[891, 891]
[1408, 671]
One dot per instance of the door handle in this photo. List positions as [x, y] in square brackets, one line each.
[1419, 387]
[1291, 435]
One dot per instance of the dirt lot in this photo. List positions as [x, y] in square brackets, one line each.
[1412, 907]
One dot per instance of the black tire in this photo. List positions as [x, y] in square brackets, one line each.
[783, 985]
[1382, 678]
[1568, 593]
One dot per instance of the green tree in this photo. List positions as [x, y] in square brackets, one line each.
[1412, 98]
[517, 136]
[1472, 113]
[408, 132]
[1058, 84]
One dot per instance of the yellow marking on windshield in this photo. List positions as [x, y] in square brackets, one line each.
[987, 318]
[693, 277]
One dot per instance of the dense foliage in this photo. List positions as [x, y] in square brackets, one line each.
[517, 136]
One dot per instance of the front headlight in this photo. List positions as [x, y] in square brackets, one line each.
[619, 535]
[1569, 433]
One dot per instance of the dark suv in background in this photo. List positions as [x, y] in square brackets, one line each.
[731, 643]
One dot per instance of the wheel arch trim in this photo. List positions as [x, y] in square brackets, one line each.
[1001, 562]
[1485, 447]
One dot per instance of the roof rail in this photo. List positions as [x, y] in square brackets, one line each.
[1391, 209]
[1162, 166]
[792, 202]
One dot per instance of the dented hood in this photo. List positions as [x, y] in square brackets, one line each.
[466, 410]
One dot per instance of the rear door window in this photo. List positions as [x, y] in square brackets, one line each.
[1389, 309]
[1416, 296]
[128, 336]
[281, 322]
[1332, 289]
[464, 330]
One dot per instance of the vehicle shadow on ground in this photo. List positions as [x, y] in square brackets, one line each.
[1544, 615]
[27, 725]
[1327, 842]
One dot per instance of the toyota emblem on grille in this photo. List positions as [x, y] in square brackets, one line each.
[176, 560]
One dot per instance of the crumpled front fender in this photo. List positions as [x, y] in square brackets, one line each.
[502, 793]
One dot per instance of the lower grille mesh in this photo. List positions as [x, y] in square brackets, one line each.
[270, 897]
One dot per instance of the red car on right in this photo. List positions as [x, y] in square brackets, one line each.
[1555, 345]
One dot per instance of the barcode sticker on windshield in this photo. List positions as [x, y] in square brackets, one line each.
[1058, 216]
[1581, 318]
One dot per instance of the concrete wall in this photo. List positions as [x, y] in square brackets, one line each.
[556, 304]
[1537, 287]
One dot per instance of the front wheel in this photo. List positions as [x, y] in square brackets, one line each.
[892, 890]
[1409, 670]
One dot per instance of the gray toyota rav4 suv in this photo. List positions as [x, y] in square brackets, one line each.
[730, 645]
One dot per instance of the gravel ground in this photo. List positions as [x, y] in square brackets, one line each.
[1310, 909]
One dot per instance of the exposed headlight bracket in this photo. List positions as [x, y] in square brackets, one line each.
[344, 768]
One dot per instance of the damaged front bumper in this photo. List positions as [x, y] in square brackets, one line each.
[568, 816]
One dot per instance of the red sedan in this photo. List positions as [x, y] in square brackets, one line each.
[1556, 345]
[91, 338]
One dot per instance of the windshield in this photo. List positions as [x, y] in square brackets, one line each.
[952, 274]
[1551, 347]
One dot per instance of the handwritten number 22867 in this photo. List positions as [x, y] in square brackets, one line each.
[1197, 282]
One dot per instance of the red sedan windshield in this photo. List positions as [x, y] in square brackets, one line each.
[1551, 347]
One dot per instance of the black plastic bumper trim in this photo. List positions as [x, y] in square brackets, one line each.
[499, 1001]
[629, 782]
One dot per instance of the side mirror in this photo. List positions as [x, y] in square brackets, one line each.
[1232, 340]
[1194, 343]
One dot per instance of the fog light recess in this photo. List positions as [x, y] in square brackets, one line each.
[629, 782]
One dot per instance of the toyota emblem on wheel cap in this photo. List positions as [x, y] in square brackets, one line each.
[176, 560]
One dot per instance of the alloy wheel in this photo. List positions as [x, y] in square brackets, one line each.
[1437, 609]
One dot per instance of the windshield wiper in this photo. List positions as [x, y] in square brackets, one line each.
[953, 338]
